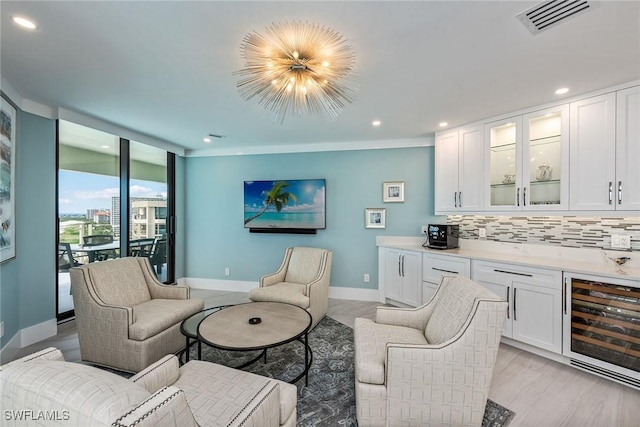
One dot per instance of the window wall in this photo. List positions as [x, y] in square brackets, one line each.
[107, 184]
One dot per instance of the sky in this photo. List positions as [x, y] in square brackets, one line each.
[309, 194]
[80, 191]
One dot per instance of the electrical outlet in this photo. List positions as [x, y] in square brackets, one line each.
[425, 229]
[482, 232]
[366, 278]
[226, 271]
[621, 241]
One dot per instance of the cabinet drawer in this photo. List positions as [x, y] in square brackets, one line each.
[435, 266]
[502, 273]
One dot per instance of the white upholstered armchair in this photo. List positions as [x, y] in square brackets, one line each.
[126, 319]
[430, 365]
[302, 280]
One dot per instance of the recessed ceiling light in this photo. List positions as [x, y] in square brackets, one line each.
[376, 123]
[24, 22]
[207, 139]
[104, 146]
[562, 91]
[443, 124]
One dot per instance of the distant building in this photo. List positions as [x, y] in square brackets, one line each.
[101, 217]
[148, 218]
[151, 222]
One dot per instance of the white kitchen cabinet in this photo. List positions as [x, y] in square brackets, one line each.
[434, 266]
[402, 274]
[592, 153]
[604, 151]
[528, 158]
[504, 159]
[628, 149]
[459, 170]
[534, 295]
[545, 159]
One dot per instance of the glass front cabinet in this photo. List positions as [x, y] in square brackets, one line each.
[528, 161]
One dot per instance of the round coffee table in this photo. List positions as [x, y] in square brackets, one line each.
[258, 326]
[189, 328]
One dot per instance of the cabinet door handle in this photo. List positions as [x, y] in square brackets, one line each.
[460, 199]
[564, 296]
[619, 192]
[515, 316]
[455, 199]
[518, 196]
[512, 272]
[524, 196]
[399, 268]
[508, 303]
[610, 192]
[444, 271]
[402, 265]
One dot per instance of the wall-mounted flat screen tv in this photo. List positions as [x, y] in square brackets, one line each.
[284, 205]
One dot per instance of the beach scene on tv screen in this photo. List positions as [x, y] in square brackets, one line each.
[285, 204]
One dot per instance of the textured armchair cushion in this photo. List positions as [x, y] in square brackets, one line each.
[122, 286]
[235, 391]
[91, 396]
[370, 347]
[290, 293]
[160, 374]
[167, 407]
[304, 265]
[156, 315]
[451, 311]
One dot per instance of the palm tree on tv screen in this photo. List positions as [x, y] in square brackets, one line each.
[275, 197]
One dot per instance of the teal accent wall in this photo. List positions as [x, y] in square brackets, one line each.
[28, 281]
[180, 217]
[216, 237]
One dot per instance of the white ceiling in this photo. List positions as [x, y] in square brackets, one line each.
[165, 68]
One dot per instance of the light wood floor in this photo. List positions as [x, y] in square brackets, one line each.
[541, 392]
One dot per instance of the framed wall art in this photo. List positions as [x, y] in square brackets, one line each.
[375, 218]
[393, 191]
[7, 180]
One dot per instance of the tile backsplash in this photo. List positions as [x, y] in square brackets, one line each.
[568, 231]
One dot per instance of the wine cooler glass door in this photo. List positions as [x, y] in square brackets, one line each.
[602, 323]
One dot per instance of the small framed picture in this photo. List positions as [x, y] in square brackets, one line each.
[393, 192]
[374, 218]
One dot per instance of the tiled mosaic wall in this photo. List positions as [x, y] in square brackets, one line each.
[570, 231]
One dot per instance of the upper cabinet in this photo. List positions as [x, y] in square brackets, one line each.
[504, 171]
[628, 149]
[604, 152]
[459, 170]
[581, 156]
[528, 159]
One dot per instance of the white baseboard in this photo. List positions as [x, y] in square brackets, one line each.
[217, 284]
[355, 294]
[336, 292]
[10, 349]
[27, 336]
[39, 332]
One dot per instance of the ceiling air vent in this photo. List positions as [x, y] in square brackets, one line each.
[548, 14]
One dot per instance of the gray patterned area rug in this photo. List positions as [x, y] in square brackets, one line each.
[329, 400]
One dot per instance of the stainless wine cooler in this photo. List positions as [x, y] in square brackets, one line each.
[602, 326]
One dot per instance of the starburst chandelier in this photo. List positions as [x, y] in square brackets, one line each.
[297, 69]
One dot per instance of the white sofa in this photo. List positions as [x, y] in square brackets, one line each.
[431, 365]
[43, 389]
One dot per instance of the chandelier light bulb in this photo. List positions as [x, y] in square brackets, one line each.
[290, 56]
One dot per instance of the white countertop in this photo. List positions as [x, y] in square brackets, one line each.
[571, 260]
